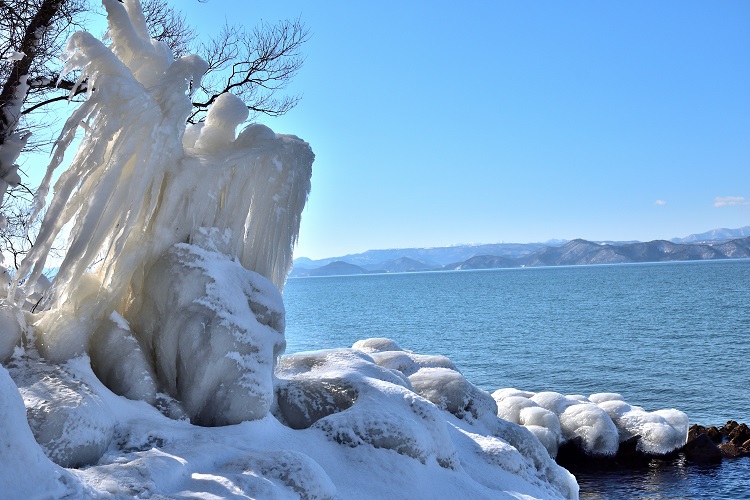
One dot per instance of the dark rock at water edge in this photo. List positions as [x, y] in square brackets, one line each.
[712, 444]
[572, 456]
[702, 449]
[739, 434]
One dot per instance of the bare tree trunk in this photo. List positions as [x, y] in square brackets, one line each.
[9, 95]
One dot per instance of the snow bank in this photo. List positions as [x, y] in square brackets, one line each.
[599, 423]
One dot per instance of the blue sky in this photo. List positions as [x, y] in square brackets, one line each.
[438, 123]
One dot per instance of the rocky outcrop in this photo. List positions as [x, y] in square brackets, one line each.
[712, 444]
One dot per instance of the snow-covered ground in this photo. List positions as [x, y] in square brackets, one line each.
[389, 443]
[152, 365]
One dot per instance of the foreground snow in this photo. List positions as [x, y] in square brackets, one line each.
[371, 450]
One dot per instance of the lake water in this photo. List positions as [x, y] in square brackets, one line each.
[667, 335]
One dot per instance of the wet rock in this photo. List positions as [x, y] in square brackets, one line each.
[702, 449]
[715, 434]
[695, 431]
[731, 450]
[727, 428]
[739, 434]
[629, 453]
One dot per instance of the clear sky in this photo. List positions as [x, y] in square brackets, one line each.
[438, 123]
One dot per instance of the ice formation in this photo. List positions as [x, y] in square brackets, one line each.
[599, 422]
[134, 189]
[162, 224]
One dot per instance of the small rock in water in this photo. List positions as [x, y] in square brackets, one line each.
[714, 434]
[701, 449]
[731, 450]
[739, 434]
[727, 428]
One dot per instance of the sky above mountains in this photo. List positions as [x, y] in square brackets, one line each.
[436, 123]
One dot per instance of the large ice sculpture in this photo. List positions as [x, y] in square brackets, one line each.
[150, 204]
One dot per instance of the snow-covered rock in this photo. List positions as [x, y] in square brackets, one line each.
[378, 344]
[70, 422]
[386, 413]
[658, 432]
[597, 423]
[592, 425]
[450, 391]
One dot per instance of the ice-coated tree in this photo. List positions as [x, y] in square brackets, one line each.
[254, 65]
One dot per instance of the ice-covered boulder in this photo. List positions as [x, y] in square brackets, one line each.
[410, 363]
[300, 403]
[501, 394]
[515, 406]
[387, 353]
[544, 425]
[12, 325]
[601, 397]
[337, 364]
[553, 401]
[26, 472]
[386, 413]
[597, 424]
[539, 459]
[509, 408]
[213, 329]
[450, 391]
[70, 422]
[657, 432]
[592, 425]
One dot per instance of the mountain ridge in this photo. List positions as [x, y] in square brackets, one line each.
[554, 253]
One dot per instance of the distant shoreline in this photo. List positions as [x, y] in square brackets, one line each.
[521, 268]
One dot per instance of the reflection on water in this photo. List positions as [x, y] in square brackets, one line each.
[667, 479]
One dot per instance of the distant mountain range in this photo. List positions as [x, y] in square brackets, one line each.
[715, 244]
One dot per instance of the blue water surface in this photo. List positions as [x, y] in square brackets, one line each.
[667, 335]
